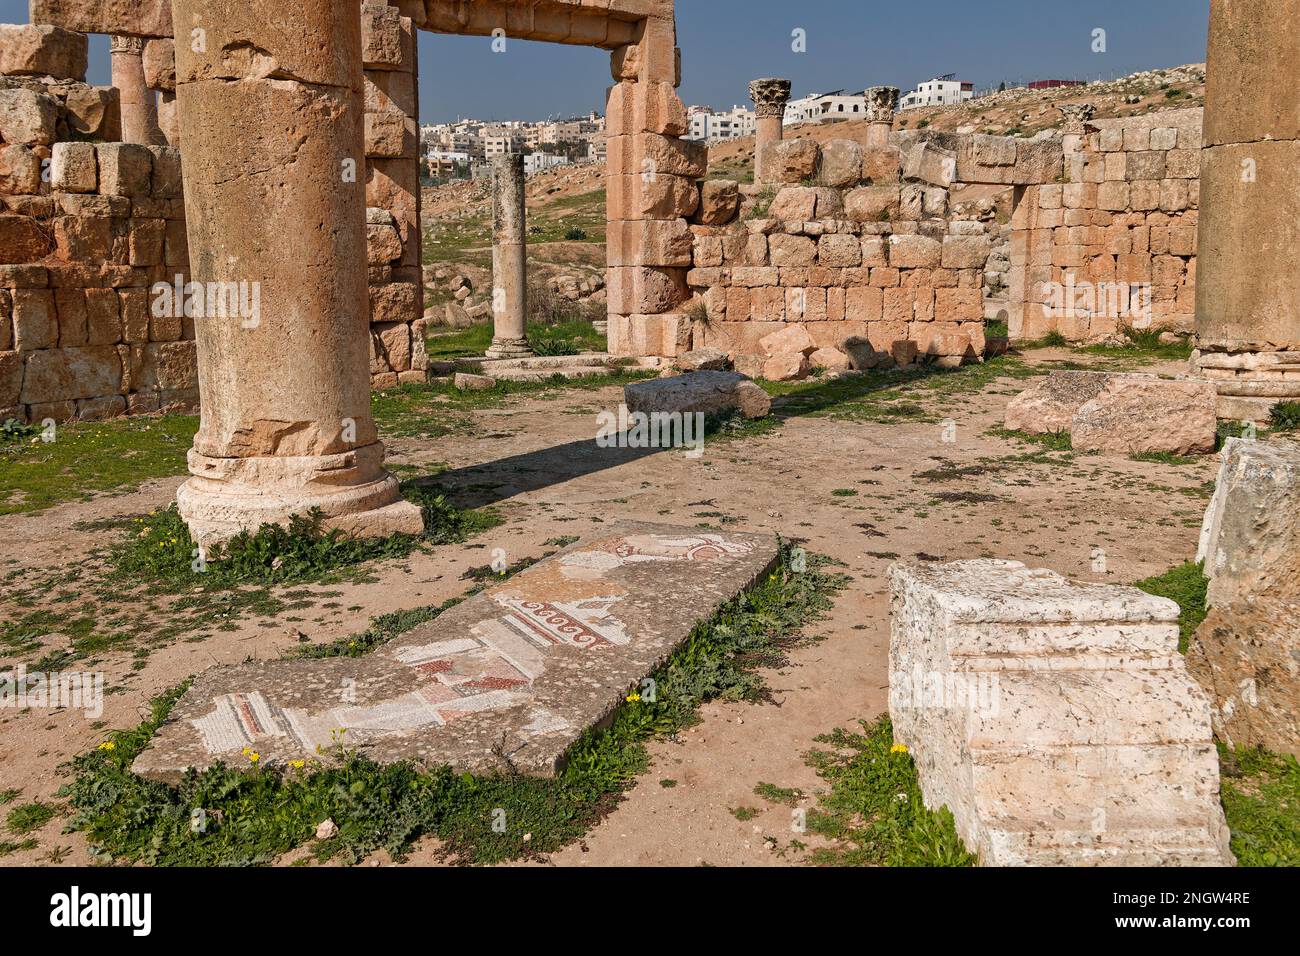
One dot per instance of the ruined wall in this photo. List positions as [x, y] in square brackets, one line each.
[392, 173]
[1125, 213]
[864, 251]
[86, 228]
[79, 256]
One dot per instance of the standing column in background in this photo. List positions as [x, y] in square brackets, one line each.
[139, 107]
[509, 259]
[770, 96]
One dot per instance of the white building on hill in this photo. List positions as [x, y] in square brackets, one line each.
[940, 91]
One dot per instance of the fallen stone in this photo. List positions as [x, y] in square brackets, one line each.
[704, 360]
[831, 359]
[709, 392]
[1141, 413]
[1250, 538]
[791, 339]
[1246, 656]
[506, 681]
[1048, 406]
[787, 367]
[474, 383]
[1055, 720]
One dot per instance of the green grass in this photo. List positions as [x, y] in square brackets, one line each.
[919, 393]
[1163, 458]
[475, 340]
[1261, 799]
[1143, 345]
[874, 810]
[1053, 441]
[1185, 585]
[255, 816]
[1260, 790]
[1284, 416]
[439, 408]
[88, 458]
[27, 817]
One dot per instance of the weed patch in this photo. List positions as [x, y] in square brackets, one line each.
[874, 810]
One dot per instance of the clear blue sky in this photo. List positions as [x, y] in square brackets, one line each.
[851, 44]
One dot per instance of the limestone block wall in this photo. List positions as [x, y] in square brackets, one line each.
[81, 249]
[869, 258]
[1124, 214]
[393, 187]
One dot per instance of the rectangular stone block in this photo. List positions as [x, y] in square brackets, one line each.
[1025, 699]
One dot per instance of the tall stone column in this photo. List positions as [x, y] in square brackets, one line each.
[770, 96]
[882, 104]
[509, 259]
[1247, 282]
[138, 104]
[274, 167]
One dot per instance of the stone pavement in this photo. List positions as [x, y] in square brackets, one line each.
[510, 677]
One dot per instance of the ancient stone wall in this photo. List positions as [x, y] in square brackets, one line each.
[857, 257]
[87, 228]
[82, 331]
[392, 107]
[1123, 216]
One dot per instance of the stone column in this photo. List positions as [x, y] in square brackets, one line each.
[770, 96]
[1247, 285]
[273, 163]
[139, 107]
[509, 259]
[882, 103]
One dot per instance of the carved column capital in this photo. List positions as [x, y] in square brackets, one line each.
[770, 96]
[126, 44]
[882, 102]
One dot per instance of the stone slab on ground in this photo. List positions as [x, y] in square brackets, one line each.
[709, 392]
[1055, 720]
[1136, 414]
[509, 678]
[1048, 406]
[1119, 413]
[1250, 539]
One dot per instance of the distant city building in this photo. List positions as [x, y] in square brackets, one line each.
[709, 126]
[825, 108]
[1054, 84]
[940, 91]
[537, 162]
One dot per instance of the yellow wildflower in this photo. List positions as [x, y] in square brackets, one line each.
[898, 749]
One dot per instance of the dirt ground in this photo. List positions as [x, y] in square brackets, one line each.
[535, 461]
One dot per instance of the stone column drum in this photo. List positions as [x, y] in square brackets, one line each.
[1247, 283]
[270, 102]
[882, 103]
[139, 107]
[509, 259]
[770, 96]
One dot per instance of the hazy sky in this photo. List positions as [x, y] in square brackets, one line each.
[851, 44]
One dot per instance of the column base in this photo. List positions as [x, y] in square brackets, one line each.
[226, 496]
[1249, 384]
[509, 349]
